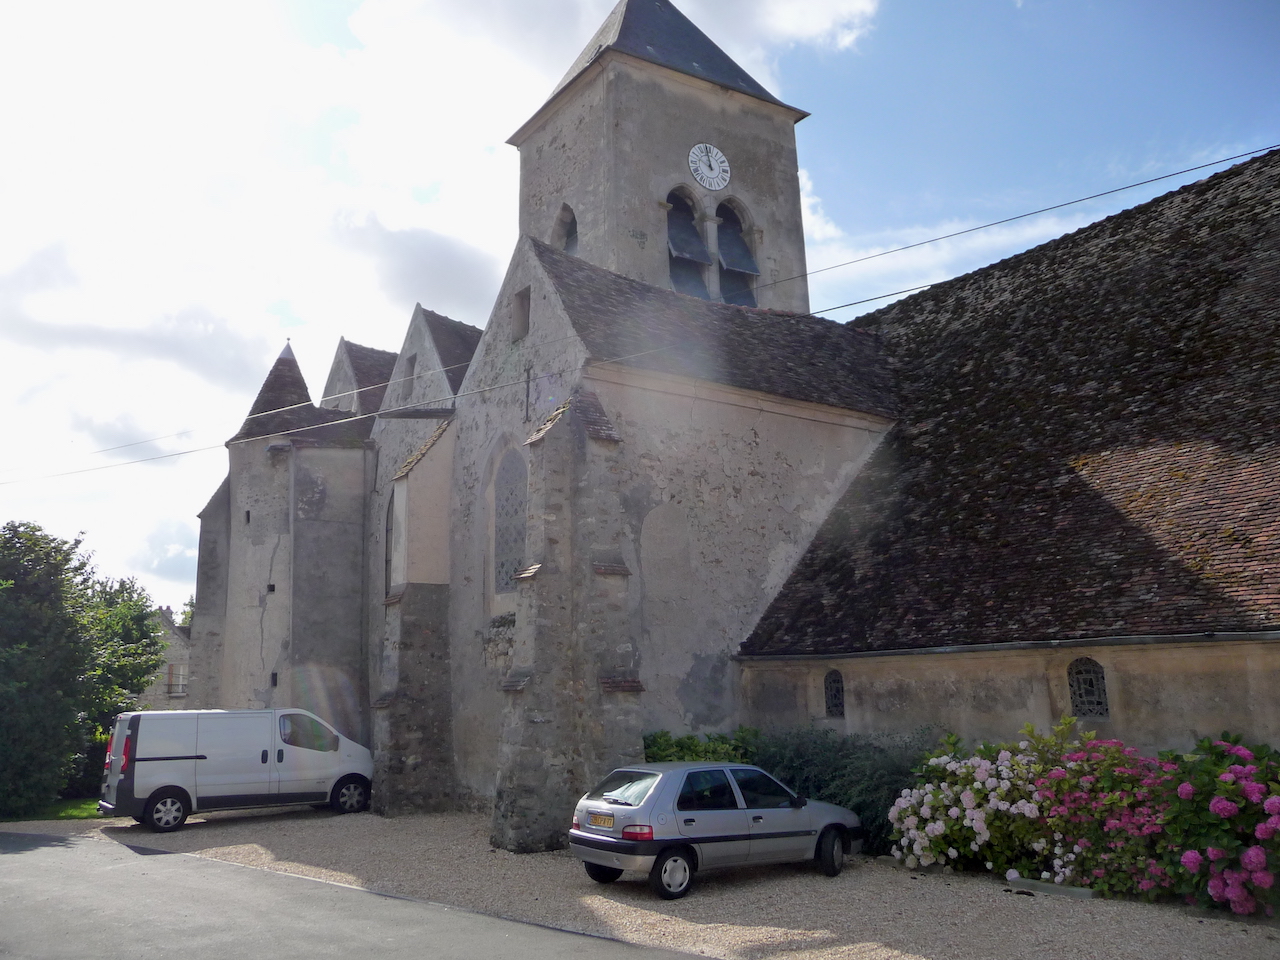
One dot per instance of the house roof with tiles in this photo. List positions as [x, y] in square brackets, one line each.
[655, 31]
[788, 355]
[455, 342]
[1088, 444]
[283, 407]
[371, 369]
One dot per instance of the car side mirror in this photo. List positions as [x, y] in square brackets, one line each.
[799, 802]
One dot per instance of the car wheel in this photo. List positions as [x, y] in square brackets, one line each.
[830, 851]
[350, 794]
[672, 874]
[602, 874]
[166, 810]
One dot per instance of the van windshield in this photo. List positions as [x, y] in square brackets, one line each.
[626, 788]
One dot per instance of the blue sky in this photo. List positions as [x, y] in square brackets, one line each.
[186, 185]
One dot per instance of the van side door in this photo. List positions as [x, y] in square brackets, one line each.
[306, 758]
[234, 769]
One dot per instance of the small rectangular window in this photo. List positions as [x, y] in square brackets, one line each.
[246, 516]
[520, 315]
[177, 685]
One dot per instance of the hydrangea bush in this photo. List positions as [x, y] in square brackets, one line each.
[1093, 813]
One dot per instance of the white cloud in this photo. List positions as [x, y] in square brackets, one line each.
[188, 184]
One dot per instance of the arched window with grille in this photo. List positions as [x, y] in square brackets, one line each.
[833, 688]
[738, 269]
[688, 255]
[1088, 684]
[510, 492]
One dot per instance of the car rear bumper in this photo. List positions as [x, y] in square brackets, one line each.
[623, 854]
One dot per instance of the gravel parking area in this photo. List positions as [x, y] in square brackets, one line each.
[872, 911]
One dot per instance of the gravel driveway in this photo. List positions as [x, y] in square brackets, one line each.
[871, 911]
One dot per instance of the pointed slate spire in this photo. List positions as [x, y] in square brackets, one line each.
[656, 31]
[283, 402]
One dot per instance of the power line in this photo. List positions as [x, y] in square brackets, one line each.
[446, 369]
[1021, 216]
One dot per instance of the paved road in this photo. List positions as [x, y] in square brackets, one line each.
[82, 899]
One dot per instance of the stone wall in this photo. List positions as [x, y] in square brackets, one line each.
[1161, 695]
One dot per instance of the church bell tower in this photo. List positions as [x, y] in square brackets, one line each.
[659, 158]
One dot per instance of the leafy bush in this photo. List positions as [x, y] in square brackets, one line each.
[864, 774]
[739, 748]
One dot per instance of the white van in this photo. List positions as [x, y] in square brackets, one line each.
[164, 764]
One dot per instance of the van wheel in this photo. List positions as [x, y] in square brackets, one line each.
[672, 874]
[350, 794]
[830, 855]
[166, 810]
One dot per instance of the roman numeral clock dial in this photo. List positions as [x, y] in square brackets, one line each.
[709, 166]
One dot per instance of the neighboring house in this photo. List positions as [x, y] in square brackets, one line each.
[502, 556]
[168, 691]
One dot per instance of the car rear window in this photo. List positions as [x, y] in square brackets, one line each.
[624, 787]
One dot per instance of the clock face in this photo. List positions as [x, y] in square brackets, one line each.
[709, 166]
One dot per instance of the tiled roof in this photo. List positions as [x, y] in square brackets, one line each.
[372, 369]
[455, 342]
[283, 406]
[1088, 444]
[422, 451]
[590, 413]
[788, 355]
[654, 30]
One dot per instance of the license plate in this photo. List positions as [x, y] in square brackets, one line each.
[600, 820]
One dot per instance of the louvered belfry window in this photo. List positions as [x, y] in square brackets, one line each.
[833, 686]
[688, 251]
[738, 267]
[1088, 685]
[510, 490]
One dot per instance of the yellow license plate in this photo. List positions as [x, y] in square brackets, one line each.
[600, 820]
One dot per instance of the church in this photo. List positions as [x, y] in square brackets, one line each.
[656, 493]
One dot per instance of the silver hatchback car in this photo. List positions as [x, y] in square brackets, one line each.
[674, 819]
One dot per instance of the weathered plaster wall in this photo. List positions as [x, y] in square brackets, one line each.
[260, 576]
[512, 386]
[1161, 695]
[407, 619]
[709, 500]
[619, 143]
[209, 619]
[327, 660]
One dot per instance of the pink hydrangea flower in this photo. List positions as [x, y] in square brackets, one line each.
[1186, 791]
[1216, 853]
[1227, 777]
[1272, 806]
[1262, 879]
[1218, 889]
[1255, 858]
[1223, 807]
[1253, 792]
[1264, 831]
[1192, 860]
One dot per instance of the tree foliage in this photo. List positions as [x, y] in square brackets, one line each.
[43, 662]
[74, 651]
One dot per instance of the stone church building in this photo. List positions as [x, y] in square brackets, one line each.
[654, 493]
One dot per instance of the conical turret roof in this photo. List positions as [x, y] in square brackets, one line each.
[283, 405]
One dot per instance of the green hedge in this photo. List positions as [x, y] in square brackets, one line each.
[864, 773]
